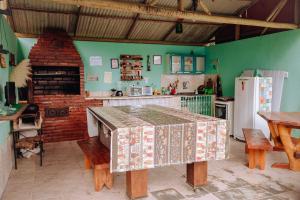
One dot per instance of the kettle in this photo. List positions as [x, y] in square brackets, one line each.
[119, 93]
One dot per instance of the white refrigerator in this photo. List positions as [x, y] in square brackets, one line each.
[252, 94]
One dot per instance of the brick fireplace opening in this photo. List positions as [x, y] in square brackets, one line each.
[57, 86]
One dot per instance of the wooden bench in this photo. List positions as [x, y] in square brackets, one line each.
[256, 143]
[96, 155]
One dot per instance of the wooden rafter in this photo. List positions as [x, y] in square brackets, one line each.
[180, 8]
[137, 16]
[77, 20]
[21, 35]
[105, 16]
[204, 7]
[168, 12]
[275, 12]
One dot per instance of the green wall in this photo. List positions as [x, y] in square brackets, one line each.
[280, 51]
[114, 50]
[9, 41]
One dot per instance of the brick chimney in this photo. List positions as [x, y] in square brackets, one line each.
[58, 87]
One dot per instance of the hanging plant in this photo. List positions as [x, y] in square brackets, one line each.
[21, 74]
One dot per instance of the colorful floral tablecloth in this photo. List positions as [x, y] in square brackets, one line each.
[149, 136]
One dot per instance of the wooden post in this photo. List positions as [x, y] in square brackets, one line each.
[237, 32]
[262, 159]
[137, 183]
[196, 174]
[87, 163]
[251, 159]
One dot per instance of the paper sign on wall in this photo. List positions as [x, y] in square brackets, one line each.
[92, 78]
[107, 77]
[95, 60]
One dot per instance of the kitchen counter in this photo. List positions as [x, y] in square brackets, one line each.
[130, 97]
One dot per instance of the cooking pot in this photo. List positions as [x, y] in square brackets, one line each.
[119, 93]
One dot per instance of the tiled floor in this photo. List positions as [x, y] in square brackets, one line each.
[63, 177]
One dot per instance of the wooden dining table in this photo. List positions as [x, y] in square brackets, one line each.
[281, 125]
[150, 136]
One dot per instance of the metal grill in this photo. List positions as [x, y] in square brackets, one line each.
[202, 104]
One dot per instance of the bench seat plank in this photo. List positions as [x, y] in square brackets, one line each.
[95, 151]
[255, 139]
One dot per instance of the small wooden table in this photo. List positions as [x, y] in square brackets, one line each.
[14, 117]
[281, 125]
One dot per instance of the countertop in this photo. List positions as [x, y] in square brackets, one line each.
[128, 97]
[15, 115]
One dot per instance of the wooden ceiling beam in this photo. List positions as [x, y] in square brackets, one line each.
[107, 16]
[168, 12]
[131, 28]
[169, 32]
[275, 12]
[204, 7]
[22, 35]
[77, 20]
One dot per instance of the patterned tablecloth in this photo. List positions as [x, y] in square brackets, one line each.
[149, 136]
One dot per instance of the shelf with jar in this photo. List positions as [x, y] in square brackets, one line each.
[131, 67]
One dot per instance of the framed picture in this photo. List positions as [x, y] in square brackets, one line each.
[156, 60]
[114, 63]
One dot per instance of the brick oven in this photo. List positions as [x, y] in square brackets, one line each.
[58, 87]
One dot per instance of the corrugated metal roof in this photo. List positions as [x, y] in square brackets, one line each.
[33, 16]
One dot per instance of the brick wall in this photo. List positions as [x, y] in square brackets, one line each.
[56, 49]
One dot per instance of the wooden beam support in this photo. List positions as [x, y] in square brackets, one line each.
[237, 34]
[131, 28]
[204, 7]
[22, 35]
[180, 8]
[106, 16]
[275, 12]
[168, 12]
[77, 19]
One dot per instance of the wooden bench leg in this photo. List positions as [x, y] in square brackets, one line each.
[109, 179]
[196, 174]
[87, 163]
[137, 183]
[251, 159]
[262, 159]
[246, 149]
[99, 179]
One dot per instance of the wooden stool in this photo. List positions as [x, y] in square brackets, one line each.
[256, 144]
[96, 155]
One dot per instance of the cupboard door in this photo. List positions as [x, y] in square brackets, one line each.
[188, 64]
[200, 64]
[175, 64]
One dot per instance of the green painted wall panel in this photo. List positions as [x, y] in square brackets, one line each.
[113, 50]
[278, 51]
[9, 41]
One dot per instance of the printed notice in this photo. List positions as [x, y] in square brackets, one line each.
[95, 60]
[107, 77]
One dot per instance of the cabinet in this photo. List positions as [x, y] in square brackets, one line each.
[187, 64]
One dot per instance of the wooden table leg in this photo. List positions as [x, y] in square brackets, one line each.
[251, 159]
[262, 159]
[137, 183]
[196, 174]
